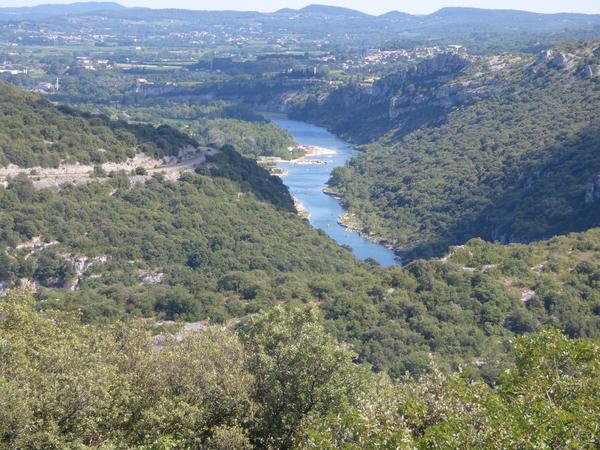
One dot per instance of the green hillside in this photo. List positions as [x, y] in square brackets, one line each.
[224, 241]
[277, 381]
[506, 150]
[34, 132]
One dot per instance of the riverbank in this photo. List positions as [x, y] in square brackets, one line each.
[307, 177]
[309, 153]
[350, 222]
[300, 209]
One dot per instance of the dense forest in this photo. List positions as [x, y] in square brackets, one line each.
[34, 132]
[166, 293]
[212, 122]
[225, 242]
[516, 163]
[222, 249]
[276, 380]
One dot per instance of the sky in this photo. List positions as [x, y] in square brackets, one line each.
[372, 6]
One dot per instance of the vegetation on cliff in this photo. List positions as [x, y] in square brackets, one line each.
[519, 163]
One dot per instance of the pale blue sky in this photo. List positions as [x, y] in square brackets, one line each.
[372, 6]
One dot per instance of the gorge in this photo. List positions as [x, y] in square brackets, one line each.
[307, 181]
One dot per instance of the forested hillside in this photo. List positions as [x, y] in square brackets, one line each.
[224, 241]
[34, 132]
[209, 122]
[161, 290]
[514, 156]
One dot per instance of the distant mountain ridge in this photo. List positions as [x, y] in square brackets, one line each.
[449, 14]
[332, 10]
[63, 9]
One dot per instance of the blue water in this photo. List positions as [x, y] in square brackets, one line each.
[306, 183]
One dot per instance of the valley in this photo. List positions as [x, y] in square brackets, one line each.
[307, 183]
[238, 229]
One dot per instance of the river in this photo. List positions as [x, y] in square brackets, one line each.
[306, 183]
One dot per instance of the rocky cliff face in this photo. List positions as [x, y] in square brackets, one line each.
[583, 61]
[434, 71]
[363, 112]
[592, 193]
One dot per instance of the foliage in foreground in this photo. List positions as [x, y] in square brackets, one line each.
[277, 381]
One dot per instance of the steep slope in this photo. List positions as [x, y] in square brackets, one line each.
[177, 239]
[34, 132]
[221, 241]
[412, 98]
[515, 157]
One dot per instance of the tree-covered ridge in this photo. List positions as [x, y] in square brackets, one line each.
[34, 132]
[225, 242]
[276, 381]
[211, 123]
[517, 165]
[468, 305]
[232, 229]
[215, 246]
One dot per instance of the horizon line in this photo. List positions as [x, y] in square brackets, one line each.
[69, 3]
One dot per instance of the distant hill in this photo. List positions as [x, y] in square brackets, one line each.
[465, 25]
[332, 11]
[40, 11]
[499, 18]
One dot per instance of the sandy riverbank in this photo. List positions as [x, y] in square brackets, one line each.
[318, 151]
[270, 162]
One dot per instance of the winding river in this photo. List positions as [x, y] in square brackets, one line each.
[306, 183]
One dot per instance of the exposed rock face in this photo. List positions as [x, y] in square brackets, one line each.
[587, 72]
[81, 264]
[189, 328]
[557, 60]
[583, 62]
[438, 70]
[150, 277]
[28, 284]
[398, 89]
[171, 166]
[592, 194]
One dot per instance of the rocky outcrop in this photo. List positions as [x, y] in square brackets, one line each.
[592, 193]
[583, 62]
[150, 276]
[170, 166]
[4, 288]
[434, 71]
[81, 264]
[446, 97]
[409, 89]
[588, 72]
